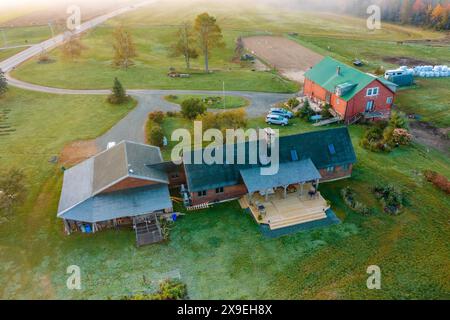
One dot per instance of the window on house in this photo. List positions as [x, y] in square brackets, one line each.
[345, 167]
[389, 100]
[330, 169]
[202, 193]
[373, 92]
[219, 190]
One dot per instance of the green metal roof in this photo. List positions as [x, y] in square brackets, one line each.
[312, 145]
[325, 74]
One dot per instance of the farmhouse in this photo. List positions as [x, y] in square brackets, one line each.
[117, 187]
[352, 94]
[129, 183]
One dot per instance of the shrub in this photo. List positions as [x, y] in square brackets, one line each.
[156, 117]
[192, 108]
[234, 119]
[440, 181]
[391, 198]
[292, 103]
[306, 111]
[401, 137]
[325, 113]
[349, 198]
[168, 290]
[156, 136]
[172, 114]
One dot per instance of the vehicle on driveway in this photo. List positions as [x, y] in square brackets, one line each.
[277, 119]
[282, 112]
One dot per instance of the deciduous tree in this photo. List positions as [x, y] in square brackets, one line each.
[185, 45]
[124, 48]
[73, 48]
[209, 35]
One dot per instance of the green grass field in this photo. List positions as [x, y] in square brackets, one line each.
[230, 102]
[19, 36]
[429, 99]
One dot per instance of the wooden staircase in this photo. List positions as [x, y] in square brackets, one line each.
[312, 215]
[148, 231]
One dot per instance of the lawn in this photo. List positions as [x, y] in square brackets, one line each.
[19, 36]
[39, 125]
[216, 102]
[430, 99]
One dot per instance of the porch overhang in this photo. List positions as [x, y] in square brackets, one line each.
[289, 173]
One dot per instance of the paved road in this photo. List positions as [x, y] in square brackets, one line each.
[132, 126]
[9, 64]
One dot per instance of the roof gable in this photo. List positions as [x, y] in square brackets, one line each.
[325, 75]
[107, 169]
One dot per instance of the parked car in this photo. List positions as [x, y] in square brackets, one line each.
[282, 112]
[277, 119]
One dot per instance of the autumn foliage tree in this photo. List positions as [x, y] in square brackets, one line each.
[73, 48]
[185, 45]
[209, 36]
[124, 48]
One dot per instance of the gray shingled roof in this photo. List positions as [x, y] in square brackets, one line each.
[126, 203]
[91, 177]
[310, 145]
[288, 173]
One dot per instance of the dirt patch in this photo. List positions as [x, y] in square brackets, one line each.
[287, 56]
[431, 136]
[406, 61]
[77, 152]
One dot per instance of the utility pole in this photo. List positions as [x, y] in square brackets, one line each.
[223, 94]
[51, 29]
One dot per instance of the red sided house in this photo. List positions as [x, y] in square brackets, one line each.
[352, 94]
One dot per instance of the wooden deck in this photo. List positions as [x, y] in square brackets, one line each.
[281, 213]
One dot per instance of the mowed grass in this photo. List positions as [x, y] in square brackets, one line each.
[43, 124]
[22, 36]
[227, 102]
[430, 99]
[152, 66]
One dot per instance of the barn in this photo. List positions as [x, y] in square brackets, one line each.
[352, 94]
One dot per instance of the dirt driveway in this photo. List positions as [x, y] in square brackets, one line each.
[287, 56]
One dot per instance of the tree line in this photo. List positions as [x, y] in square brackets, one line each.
[425, 13]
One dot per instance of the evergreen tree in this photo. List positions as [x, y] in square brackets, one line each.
[118, 94]
[3, 83]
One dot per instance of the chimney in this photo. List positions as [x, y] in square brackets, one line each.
[338, 70]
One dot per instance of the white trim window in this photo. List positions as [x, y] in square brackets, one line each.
[389, 100]
[371, 92]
